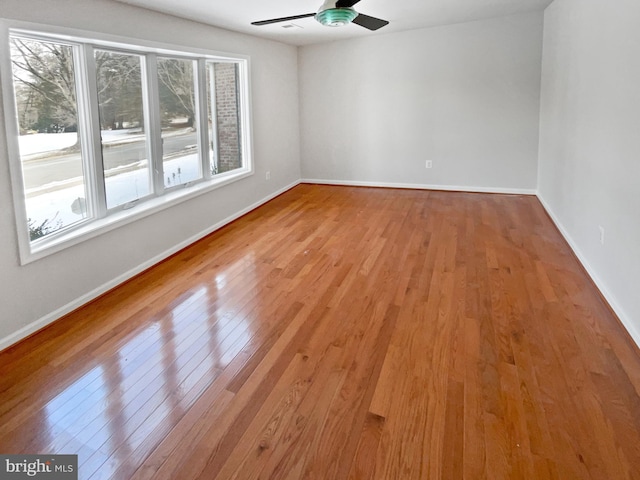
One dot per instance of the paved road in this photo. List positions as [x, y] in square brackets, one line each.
[63, 167]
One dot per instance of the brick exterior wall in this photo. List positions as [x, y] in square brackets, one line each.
[227, 103]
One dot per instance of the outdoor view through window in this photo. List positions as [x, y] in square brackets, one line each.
[52, 166]
[123, 127]
[65, 180]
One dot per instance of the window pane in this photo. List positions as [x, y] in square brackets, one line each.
[178, 117]
[224, 116]
[50, 149]
[127, 174]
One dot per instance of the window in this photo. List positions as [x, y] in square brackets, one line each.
[50, 146]
[124, 128]
[178, 113]
[104, 127]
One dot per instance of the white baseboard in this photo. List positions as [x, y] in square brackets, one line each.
[415, 186]
[606, 293]
[102, 289]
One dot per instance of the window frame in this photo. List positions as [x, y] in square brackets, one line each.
[100, 219]
[95, 107]
[204, 155]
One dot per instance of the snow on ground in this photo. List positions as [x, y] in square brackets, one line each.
[53, 201]
[50, 142]
[56, 205]
[45, 142]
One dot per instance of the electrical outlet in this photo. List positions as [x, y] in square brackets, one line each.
[268, 175]
[429, 164]
[601, 228]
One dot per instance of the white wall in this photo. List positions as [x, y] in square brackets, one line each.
[589, 167]
[465, 96]
[35, 294]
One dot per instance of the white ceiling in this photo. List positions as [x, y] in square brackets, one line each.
[237, 15]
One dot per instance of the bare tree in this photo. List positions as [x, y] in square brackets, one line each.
[119, 89]
[44, 73]
[45, 87]
[177, 87]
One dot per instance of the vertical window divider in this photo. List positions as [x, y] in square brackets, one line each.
[152, 109]
[203, 130]
[13, 145]
[244, 96]
[214, 114]
[92, 137]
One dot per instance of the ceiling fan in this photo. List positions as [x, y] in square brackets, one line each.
[334, 13]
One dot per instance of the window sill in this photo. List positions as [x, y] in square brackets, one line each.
[93, 228]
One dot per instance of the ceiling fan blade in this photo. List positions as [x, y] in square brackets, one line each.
[346, 3]
[283, 19]
[372, 23]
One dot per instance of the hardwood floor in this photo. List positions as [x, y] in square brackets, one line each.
[340, 333]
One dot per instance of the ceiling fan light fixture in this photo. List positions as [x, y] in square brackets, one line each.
[334, 13]
[336, 17]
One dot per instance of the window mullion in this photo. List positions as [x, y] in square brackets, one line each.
[245, 115]
[91, 135]
[203, 130]
[214, 116]
[151, 100]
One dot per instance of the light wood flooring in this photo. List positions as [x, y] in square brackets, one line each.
[340, 333]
